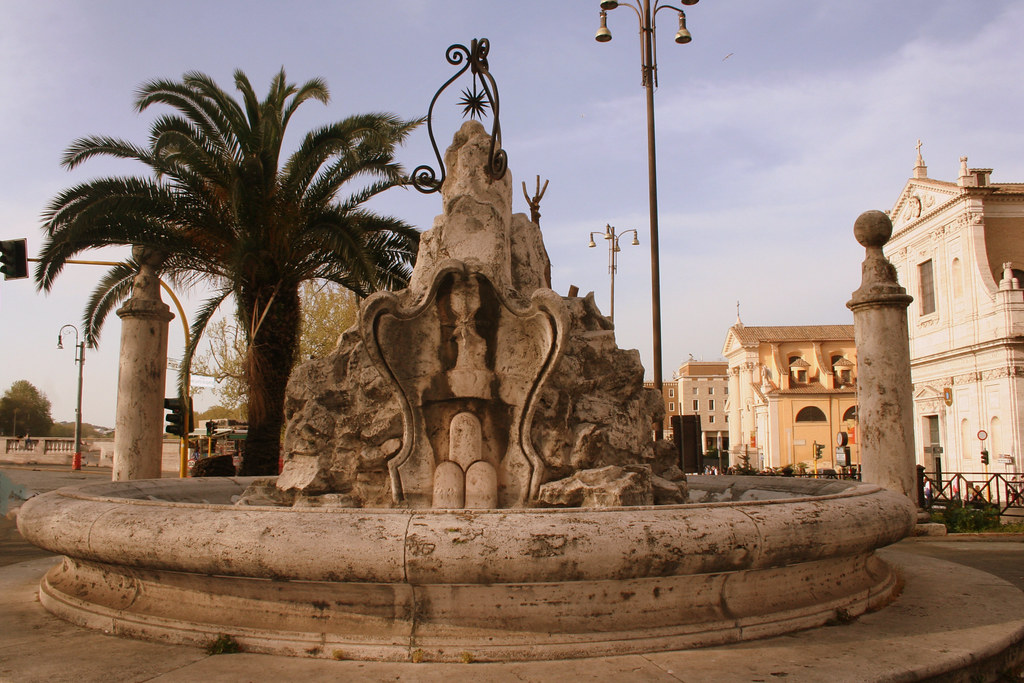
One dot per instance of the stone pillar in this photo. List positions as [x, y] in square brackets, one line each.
[142, 374]
[884, 402]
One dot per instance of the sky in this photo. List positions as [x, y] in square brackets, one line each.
[776, 127]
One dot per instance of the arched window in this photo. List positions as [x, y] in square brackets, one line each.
[850, 414]
[811, 414]
[958, 278]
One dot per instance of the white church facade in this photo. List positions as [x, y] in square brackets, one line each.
[958, 248]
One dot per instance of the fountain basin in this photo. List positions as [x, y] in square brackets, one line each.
[174, 560]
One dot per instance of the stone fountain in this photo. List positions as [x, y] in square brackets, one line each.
[469, 476]
[470, 473]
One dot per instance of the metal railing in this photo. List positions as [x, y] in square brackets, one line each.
[1004, 491]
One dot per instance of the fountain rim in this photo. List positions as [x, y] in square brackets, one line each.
[425, 546]
[96, 491]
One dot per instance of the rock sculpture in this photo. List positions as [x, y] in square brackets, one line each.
[477, 386]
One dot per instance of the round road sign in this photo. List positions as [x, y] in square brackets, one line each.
[982, 434]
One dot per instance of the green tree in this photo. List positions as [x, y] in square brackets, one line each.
[25, 410]
[226, 212]
[224, 360]
[216, 413]
[327, 311]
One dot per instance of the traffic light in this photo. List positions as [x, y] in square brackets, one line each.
[14, 259]
[179, 422]
[819, 449]
[984, 457]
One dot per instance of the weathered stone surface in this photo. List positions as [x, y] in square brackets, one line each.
[142, 370]
[610, 486]
[502, 584]
[668, 492]
[371, 420]
[885, 402]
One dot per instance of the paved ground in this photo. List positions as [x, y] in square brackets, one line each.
[998, 554]
[953, 610]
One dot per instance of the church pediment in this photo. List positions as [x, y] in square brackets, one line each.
[732, 343]
[926, 392]
[919, 198]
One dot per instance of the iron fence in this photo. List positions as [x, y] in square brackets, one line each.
[1004, 491]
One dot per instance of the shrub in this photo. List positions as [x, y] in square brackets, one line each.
[964, 520]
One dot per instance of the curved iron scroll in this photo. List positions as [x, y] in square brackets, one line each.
[424, 178]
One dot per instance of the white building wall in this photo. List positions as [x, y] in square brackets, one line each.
[971, 343]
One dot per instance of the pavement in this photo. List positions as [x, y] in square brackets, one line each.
[960, 617]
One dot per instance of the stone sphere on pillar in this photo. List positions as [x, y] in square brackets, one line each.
[872, 228]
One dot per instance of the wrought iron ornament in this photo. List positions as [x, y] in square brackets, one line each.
[475, 102]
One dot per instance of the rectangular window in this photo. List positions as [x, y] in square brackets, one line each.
[711, 404]
[727, 391]
[671, 393]
[695, 391]
[926, 279]
[696, 405]
[711, 418]
[672, 408]
[711, 390]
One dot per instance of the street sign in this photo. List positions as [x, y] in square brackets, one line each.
[982, 434]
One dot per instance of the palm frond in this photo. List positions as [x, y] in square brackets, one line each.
[83, 149]
[112, 289]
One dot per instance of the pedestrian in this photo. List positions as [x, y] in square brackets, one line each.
[977, 500]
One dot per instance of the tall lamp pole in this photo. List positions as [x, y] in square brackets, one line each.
[613, 256]
[649, 80]
[76, 462]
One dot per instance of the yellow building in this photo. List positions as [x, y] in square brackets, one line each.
[792, 393]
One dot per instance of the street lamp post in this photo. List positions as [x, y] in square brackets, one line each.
[649, 80]
[613, 256]
[76, 462]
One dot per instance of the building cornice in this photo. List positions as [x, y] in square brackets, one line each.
[969, 351]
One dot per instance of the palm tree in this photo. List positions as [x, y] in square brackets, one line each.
[228, 215]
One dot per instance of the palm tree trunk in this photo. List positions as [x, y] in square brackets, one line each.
[275, 318]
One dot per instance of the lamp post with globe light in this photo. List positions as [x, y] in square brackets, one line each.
[613, 257]
[649, 79]
[76, 462]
